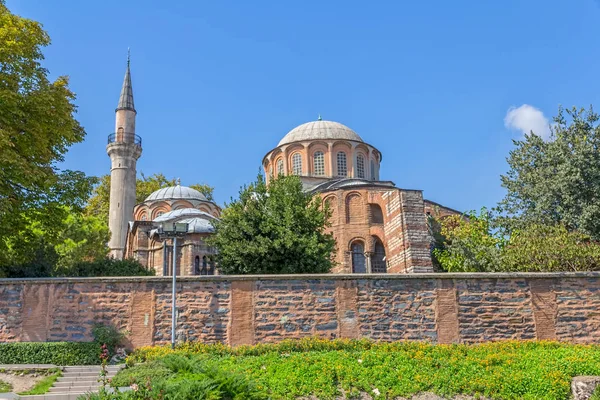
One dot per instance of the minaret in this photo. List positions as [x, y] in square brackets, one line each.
[124, 148]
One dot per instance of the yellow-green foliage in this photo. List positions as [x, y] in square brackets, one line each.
[5, 387]
[503, 370]
[550, 248]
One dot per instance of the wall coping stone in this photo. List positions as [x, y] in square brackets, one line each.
[333, 277]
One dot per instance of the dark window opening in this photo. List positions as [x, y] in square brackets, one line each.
[359, 265]
[378, 260]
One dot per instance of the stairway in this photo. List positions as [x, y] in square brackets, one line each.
[76, 381]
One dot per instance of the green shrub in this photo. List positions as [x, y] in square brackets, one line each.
[106, 267]
[182, 378]
[154, 371]
[320, 368]
[58, 353]
[108, 335]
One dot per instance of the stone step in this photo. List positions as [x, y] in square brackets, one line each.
[53, 396]
[91, 368]
[83, 375]
[78, 389]
[90, 382]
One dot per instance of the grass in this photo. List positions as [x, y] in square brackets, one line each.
[503, 370]
[596, 394]
[5, 387]
[45, 384]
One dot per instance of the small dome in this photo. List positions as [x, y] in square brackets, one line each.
[320, 130]
[175, 193]
[182, 212]
[199, 225]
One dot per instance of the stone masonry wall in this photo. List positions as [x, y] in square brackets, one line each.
[438, 308]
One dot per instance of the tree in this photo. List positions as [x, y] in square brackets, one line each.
[550, 248]
[37, 250]
[98, 204]
[274, 229]
[36, 129]
[467, 244]
[556, 181]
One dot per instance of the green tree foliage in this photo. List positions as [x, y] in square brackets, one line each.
[556, 181]
[98, 203]
[550, 248]
[274, 229]
[36, 129]
[468, 244]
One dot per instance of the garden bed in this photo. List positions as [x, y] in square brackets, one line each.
[329, 369]
[28, 381]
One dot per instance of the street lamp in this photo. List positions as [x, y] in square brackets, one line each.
[172, 230]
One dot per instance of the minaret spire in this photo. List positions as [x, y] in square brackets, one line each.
[126, 98]
[124, 149]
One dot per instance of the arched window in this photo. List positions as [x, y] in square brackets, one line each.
[271, 171]
[378, 261]
[204, 270]
[280, 166]
[297, 164]
[372, 170]
[376, 214]
[211, 266]
[197, 265]
[359, 265]
[319, 163]
[144, 217]
[360, 166]
[342, 165]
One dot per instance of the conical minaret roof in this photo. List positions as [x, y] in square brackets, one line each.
[126, 98]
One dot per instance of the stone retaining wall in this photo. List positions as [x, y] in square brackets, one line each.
[439, 308]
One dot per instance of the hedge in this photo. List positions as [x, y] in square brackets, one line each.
[57, 353]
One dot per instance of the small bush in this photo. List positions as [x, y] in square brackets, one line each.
[154, 371]
[108, 335]
[58, 353]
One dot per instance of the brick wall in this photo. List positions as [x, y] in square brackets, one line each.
[439, 308]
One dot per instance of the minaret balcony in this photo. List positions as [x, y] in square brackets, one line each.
[124, 137]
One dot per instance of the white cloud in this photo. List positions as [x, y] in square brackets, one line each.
[526, 119]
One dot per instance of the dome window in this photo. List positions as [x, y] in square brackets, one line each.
[319, 163]
[280, 166]
[342, 165]
[297, 164]
[372, 170]
[360, 166]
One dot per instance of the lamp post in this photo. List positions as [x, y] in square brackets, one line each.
[172, 230]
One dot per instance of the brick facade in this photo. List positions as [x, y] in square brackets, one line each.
[440, 308]
[402, 230]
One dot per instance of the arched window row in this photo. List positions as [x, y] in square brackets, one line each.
[207, 268]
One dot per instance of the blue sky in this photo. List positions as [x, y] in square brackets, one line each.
[430, 84]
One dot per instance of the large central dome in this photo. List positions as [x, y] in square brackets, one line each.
[320, 130]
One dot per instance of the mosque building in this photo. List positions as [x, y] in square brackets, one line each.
[378, 227]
